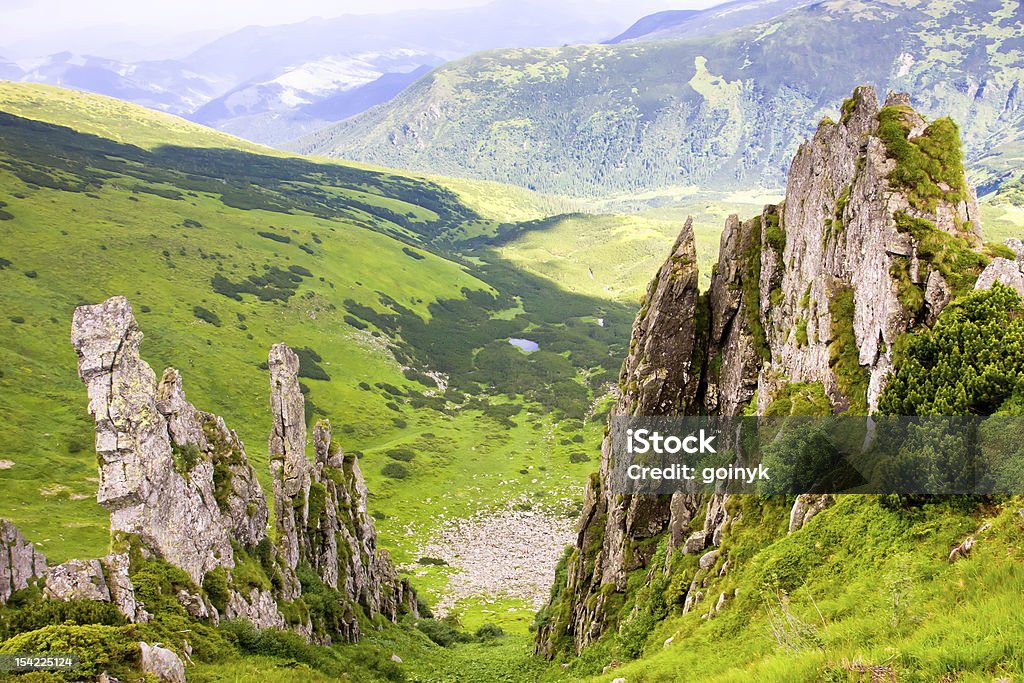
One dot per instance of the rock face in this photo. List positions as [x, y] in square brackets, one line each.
[814, 290]
[239, 495]
[20, 563]
[321, 507]
[848, 227]
[153, 491]
[179, 487]
[162, 663]
[1005, 271]
[289, 466]
[660, 376]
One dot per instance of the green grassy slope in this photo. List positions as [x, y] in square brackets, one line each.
[862, 588]
[720, 112]
[864, 592]
[224, 252]
[113, 119]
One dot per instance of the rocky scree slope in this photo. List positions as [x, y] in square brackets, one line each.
[878, 233]
[179, 489]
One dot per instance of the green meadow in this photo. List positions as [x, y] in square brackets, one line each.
[400, 292]
[225, 251]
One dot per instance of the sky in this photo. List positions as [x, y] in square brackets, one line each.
[39, 27]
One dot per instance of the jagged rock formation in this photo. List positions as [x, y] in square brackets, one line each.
[813, 291]
[321, 507]
[179, 487]
[239, 495]
[848, 228]
[660, 376]
[104, 580]
[150, 496]
[20, 563]
[289, 466]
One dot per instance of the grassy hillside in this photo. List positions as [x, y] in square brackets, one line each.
[864, 592]
[113, 119]
[224, 252]
[720, 112]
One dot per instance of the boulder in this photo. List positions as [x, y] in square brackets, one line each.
[162, 663]
[20, 563]
[77, 580]
[1004, 271]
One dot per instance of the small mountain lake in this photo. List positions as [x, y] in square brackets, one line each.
[524, 344]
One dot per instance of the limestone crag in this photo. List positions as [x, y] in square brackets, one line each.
[238, 493]
[844, 228]
[289, 466]
[20, 563]
[179, 487]
[150, 496]
[331, 530]
[815, 290]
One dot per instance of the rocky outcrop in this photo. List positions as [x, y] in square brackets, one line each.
[238, 494]
[20, 563]
[153, 488]
[259, 607]
[103, 580]
[660, 376]
[179, 487]
[161, 663]
[289, 466]
[848, 226]
[1005, 271]
[806, 507]
[815, 290]
[330, 529]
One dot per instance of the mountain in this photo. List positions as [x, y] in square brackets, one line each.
[168, 85]
[257, 50]
[220, 246]
[442, 466]
[727, 111]
[271, 84]
[313, 95]
[654, 22]
[9, 70]
[676, 24]
[297, 78]
[867, 289]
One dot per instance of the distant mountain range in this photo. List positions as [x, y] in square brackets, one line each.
[271, 84]
[676, 24]
[722, 111]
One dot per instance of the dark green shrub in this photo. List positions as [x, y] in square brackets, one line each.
[215, 583]
[401, 454]
[395, 470]
[206, 315]
[489, 632]
[443, 632]
[970, 362]
[283, 239]
[114, 649]
[41, 613]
